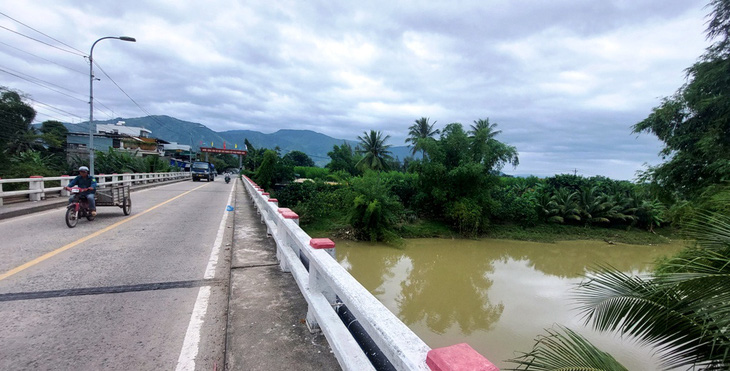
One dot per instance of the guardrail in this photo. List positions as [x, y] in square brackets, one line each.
[37, 189]
[328, 288]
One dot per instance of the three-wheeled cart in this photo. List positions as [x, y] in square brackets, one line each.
[117, 195]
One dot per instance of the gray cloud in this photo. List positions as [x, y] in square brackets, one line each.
[564, 79]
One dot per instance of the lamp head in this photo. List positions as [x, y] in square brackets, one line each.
[127, 38]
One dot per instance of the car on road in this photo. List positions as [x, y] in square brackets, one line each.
[203, 170]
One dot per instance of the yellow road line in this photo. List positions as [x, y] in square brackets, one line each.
[84, 239]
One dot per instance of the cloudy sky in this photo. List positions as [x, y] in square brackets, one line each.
[564, 79]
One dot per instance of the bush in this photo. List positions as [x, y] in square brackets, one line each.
[311, 172]
[465, 215]
[374, 214]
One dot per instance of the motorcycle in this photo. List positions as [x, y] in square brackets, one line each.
[78, 208]
[228, 178]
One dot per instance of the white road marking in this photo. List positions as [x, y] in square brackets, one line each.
[186, 361]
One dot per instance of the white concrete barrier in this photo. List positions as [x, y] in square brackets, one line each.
[325, 281]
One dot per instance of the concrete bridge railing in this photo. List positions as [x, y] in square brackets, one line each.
[38, 189]
[328, 288]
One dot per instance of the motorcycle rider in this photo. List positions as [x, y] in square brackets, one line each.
[85, 181]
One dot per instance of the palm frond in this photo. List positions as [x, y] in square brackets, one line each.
[564, 349]
[658, 313]
[710, 230]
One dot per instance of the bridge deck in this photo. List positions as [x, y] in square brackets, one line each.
[266, 315]
[267, 329]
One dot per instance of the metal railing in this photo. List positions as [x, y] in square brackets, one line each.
[37, 189]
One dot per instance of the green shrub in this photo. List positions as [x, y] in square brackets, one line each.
[374, 214]
[465, 215]
[311, 172]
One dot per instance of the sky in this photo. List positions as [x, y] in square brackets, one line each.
[565, 80]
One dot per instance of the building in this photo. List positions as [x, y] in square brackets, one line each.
[120, 128]
[135, 140]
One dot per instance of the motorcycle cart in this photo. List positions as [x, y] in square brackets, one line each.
[117, 195]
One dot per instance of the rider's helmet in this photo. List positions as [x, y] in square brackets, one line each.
[84, 168]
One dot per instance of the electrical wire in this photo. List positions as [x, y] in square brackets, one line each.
[39, 84]
[54, 108]
[50, 37]
[44, 59]
[38, 81]
[132, 99]
[45, 43]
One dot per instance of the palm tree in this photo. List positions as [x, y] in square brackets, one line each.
[564, 206]
[487, 150]
[375, 151]
[419, 131]
[682, 309]
[483, 125]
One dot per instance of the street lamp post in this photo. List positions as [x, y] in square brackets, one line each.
[91, 96]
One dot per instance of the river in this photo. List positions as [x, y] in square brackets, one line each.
[495, 295]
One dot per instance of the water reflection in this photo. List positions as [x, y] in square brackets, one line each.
[496, 295]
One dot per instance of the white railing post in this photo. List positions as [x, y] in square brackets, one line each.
[316, 281]
[1, 193]
[36, 184]
[65, 179]
[281, 243]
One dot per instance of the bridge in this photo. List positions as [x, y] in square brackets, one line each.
[207, 276]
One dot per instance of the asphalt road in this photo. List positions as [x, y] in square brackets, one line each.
[119, 292]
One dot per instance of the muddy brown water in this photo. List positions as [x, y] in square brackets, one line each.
[495, 295]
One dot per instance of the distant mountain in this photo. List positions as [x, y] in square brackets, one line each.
[314, 144]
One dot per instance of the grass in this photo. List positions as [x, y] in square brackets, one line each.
[559, 232]
[337, 227]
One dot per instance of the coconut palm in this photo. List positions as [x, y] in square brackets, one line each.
[483, 126]
[682, 309]
[419, 131]
[487, 150]
[375, 151]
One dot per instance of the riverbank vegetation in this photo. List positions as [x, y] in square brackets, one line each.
[456, 189]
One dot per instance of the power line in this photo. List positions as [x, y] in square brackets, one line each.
[44, 59]
[132, 99]
[29, 77]
[39, 84]
[50, 37]
[54, 108]
[45, 43]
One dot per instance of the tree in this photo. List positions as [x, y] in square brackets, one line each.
[421, 130]
[16, 116]
[253, 158]
[486, 149]
[375, 151]
[483, 125]
[342, 159]
[694, 123]
[298, 158]
[53, 134]
[267, 171]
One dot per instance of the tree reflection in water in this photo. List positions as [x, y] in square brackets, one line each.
[443, 286]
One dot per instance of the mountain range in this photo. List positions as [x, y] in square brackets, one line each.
[314, 144]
